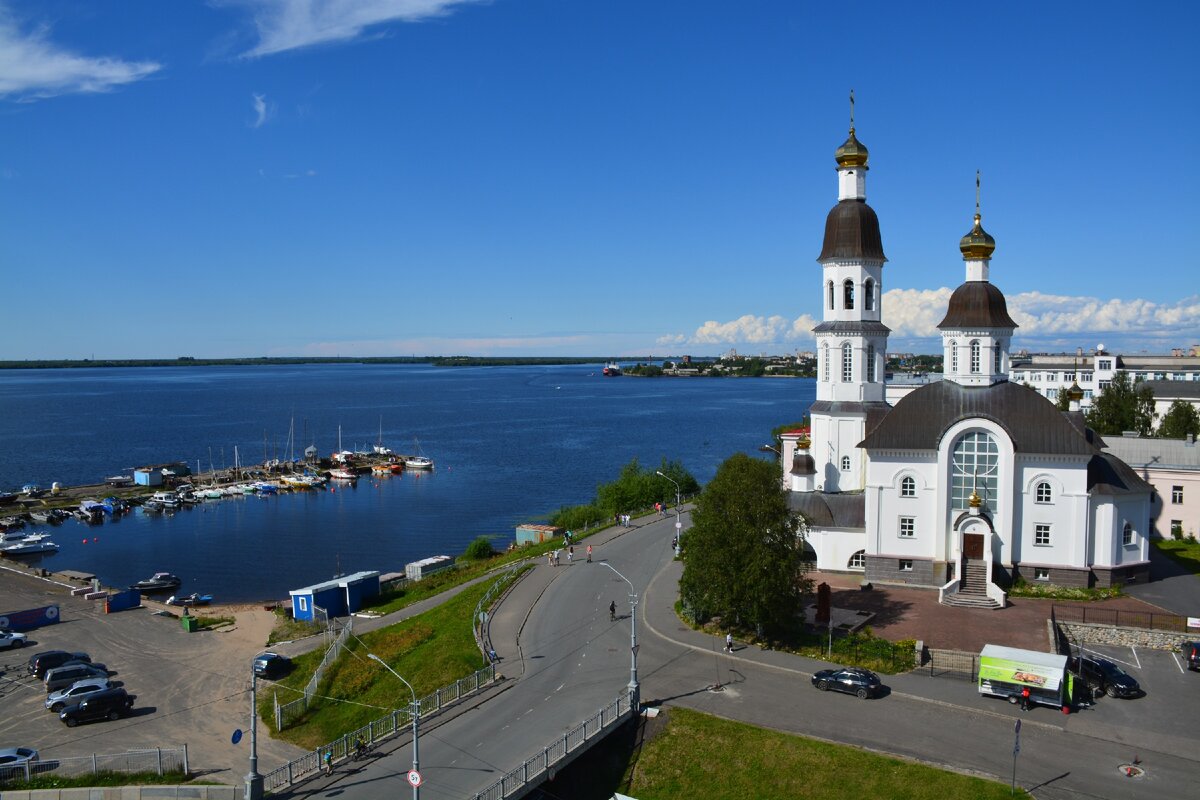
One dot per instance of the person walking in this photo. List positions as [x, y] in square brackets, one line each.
[328, 762]
[570, 555]
[612, 611]
[1024, 698]
[589, 554]
[729, 643]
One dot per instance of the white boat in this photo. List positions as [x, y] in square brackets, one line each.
[419, 461]
[213, 494]
[27, 544]
[168, 500]
[343, 474]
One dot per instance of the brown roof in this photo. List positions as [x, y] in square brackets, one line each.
[829, 509]
[977, 304]
[1108, 474]
[852, 231]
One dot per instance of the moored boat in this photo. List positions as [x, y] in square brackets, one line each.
[26, 544]
[192, 599]
[612, 369]
[343, 474]
[158, 582]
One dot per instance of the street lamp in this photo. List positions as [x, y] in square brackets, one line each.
[254, 781]
[415, 775]
[633, 645]
[678, 523]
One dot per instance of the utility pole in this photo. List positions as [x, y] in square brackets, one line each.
[254, 781]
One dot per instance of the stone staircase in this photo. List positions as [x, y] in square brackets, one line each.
[972, 589]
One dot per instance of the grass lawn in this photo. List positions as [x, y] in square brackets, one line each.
[103, 778]
[697, 755]
[1184, 552]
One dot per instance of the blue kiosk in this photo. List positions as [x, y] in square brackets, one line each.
[339, 597]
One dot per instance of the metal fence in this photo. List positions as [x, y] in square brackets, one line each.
[1120, 619]
[382, 728]
[482, 620]
[952, 662]
[158, 760]
[520, 779]
[870, 652]
[287, 713]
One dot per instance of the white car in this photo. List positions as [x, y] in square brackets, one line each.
[11, 640]
[14, 759]
[77, 691]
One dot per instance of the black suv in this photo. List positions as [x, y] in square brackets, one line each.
[108, 704]
[1102, 675]
[851, 680]
[1191, 654]
[41, 663]
[271, 665]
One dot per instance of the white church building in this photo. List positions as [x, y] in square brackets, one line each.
[967, 483]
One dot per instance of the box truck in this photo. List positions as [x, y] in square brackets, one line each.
[1008, 671]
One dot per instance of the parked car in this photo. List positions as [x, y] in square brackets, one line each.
[851, 680]
[69, 673]
[11, 640]
[1103, 676]
[58, 700]
[108, 704]
[39, 663]
[271, 665]
[1191, 654]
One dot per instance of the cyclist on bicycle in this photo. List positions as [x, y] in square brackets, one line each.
[360, 747]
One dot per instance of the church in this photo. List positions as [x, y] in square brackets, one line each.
[965, 484]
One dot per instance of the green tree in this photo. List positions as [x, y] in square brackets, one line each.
[743, 556]
[1180, 420]
[1123, 406]
[479, 549]
[1062, 401]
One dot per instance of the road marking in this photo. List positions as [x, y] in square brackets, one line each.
[560, 686]
[1178, 665]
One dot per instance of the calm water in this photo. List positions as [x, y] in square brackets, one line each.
[511, 444]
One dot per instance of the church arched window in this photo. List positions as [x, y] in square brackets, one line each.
[908, 487]
[953, 357]
[845, 463]
[869, 295]
[974, 467]
[870, 363]
[996, 359]
[831, 295]
[1044, 494]
[825, 360]
[975, 357]
[1127, 533]
[847, 363]
[858, 560]
[848, 294]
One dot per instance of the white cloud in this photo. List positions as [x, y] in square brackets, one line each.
[914, 312]
[291, 24]
[261, 110]
[33, 67]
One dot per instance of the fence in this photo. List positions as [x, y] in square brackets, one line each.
[159, 761]
[1120, 619]
[944, 662]
[863, 651]
[482, 620]
[288, 713]
[382, 728]
[524, 776]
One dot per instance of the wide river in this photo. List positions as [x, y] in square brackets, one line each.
[511, 444]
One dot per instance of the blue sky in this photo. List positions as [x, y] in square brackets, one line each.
[580, 177]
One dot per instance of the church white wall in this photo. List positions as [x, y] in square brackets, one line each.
[1001, 544]
[1066, 513]
[886, 505]
[1111, 551]
[835, 546]
[833, 438]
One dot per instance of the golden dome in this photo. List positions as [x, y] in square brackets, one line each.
[1075, 393]
[852, 153]
[978, 243]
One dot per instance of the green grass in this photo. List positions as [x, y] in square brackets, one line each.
[287, 629]
[1184, 552]
[697, 755]
[430, 650]
[99, 779]
[210, 623]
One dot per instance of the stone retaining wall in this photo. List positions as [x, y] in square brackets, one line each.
[1089, 633]
[129, 793]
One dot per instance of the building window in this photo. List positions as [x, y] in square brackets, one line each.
[1052, 394]
[848, 294]
[1085, 377]
[303, 603]
[906, 565]
[1041, 573]
[1176, 529]
[870, 363]
[1036, 377]
[908, 527]
[974, 466]
[996, 356]
[825, 360]
[908, 487]
[1041, 535]
[858, 560]
[1127, 534]
[847, 363]
[1176, 495]
[869, 295]
[974, 356]
[953, 357]
[1044, 493]
[831, 295]
[1102, 364]
[1087, 394]
[845, 463]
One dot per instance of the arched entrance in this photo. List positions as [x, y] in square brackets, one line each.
[974, 554]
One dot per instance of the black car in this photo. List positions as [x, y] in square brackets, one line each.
[271, 665]
[108, 704]
[1103, 676]
[1191, 654]
[40, 663]
[851, 680]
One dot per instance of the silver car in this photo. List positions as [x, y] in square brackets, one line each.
[64, 676]
[57, 701]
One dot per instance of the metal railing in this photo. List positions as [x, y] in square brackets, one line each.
[1120, 619]
[383, 728]
[528, 774]
[482, 620]
[157, 760]
[942, 662]
[287, 713]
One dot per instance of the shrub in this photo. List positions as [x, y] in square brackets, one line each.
[479, 549]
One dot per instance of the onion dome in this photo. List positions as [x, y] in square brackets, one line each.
[852, 231]
[977, 304]
[978, 243]
[1074, 392]
[852, 153]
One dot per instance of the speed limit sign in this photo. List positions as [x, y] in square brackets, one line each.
[414, 777]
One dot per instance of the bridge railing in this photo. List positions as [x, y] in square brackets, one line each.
[519, 780]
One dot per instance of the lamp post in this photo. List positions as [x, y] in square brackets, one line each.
[254, 781]
[416, 715]
[678, 523]
[634, 691]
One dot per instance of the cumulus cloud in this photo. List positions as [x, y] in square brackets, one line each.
[284, 25]
[33, 67]
[261, 110]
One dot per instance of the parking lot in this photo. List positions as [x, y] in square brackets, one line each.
[190, 688]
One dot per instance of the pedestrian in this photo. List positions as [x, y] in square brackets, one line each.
[612, 611]
[328, 762]
[550, 558]
[570, 555]
[1024, 698]
[729, 643]
[589, 554]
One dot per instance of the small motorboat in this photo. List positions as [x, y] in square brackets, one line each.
[192, 599]
[11, 523]
[26, 544]
[343, 474]
[159, 582]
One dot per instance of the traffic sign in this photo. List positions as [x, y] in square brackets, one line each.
[237, 736]
[414, 777]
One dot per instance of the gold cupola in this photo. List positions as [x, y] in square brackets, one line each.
[852, 153]
[978, 243]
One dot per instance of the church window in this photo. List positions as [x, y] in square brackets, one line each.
[953, 357]
[906, 565]
[858, 560]
[997, 356]
[847, 363]
[908, 487]
[848, 294]
[845, 463]
[825, 361]
[831, 295]
[974, 356]
[1176, 529]
[869, 295]
[1041, 573]
[1127, 534]
[1041, 535]
[870, 363]
[1176, 495]
[974, 467]
[908, 527]
[1044, 493]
